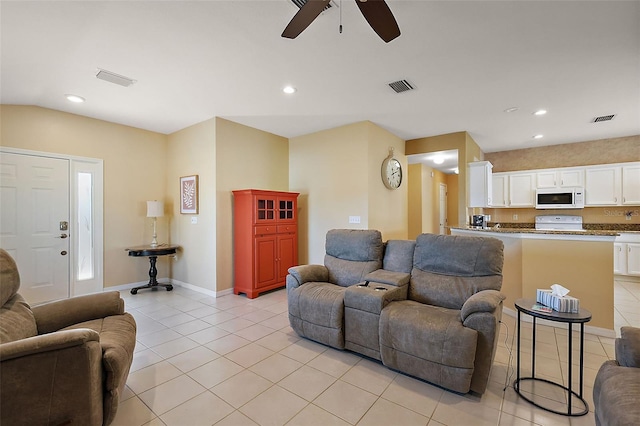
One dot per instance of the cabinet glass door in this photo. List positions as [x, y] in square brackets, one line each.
[286, 210]
[265, 209]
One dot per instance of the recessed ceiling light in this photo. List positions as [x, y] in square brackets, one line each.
[75, 98]
[512, 109]
[538, 136]
[540, 112]
[438, 159]
[289, 90]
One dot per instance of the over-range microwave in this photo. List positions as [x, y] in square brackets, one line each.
[560, 198]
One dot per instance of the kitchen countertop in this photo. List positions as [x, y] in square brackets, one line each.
[504, 230]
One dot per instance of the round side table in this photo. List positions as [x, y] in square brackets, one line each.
[583, 316]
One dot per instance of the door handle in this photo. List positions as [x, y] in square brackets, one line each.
[63, 236]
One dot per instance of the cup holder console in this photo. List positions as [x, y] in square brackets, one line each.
[366, 284]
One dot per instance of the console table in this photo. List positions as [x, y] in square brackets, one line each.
[583, 316]
[152, 253]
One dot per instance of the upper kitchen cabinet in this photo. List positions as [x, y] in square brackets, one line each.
[560, 178]
[512, 189]
[500, 183]
[614, 185]
[480, 184]
[603, 186]
[631, 184]
[522, 190]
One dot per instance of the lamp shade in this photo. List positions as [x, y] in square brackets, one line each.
[155, 208]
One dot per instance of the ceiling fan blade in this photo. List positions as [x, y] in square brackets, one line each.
[305, 16]
[380, 17]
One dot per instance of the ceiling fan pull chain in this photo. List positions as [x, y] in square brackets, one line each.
[340, 16]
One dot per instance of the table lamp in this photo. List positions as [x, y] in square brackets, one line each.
[155, 209]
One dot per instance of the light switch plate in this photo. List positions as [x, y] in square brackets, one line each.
[194, 220]
[354, 219]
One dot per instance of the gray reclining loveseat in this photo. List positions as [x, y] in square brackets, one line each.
[429, 308]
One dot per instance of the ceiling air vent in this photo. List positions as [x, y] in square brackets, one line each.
[301, 3]
[401, 86]
[603, 118]
[114, 78]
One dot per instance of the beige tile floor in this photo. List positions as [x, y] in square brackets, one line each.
[234, 361]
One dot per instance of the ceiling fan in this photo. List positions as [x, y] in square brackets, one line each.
[376, 12]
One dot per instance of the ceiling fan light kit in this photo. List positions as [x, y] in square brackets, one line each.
[375, 12]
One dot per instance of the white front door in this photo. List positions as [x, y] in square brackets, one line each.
[34, 207]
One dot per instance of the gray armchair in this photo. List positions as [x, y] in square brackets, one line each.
[64, 362]
[316, 292]
[616, 390]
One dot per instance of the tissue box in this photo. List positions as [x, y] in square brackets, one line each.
[567, 304]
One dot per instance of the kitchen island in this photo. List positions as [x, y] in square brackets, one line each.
[581, 261]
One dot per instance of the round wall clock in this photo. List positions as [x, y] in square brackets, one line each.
[391, 171]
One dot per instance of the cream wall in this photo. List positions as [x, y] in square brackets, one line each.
[245, 158]
[337, 172]
[192, 151]
[134, 164]
[387, 208]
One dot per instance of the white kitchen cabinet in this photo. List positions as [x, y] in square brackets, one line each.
[560, 178]
[500, 184]
[633, 258]
[521, 189]
[480, 184]
[620, 258]
[603, 186]
[626, 254]
[631, 184]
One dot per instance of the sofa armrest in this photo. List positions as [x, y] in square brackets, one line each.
[628, 347]
[383, 276]
[482, 301]
[307, 273]
[47, 343]
[56, 315]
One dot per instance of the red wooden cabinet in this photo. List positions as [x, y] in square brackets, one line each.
[265, 237]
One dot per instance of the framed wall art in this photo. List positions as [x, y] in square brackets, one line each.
[189, 194]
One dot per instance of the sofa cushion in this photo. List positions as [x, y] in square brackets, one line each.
[428, 342]
[428, 332]
[398, 255]
[447, 270]
[354, 244]
[458, 255]
[16, 320]
[448, 291]
[347, 272]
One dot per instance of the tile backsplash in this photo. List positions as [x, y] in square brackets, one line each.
[628, 215]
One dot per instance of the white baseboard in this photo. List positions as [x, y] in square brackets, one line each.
[211, 293]
[598, 331]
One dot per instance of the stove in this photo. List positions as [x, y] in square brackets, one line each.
[559, 222]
